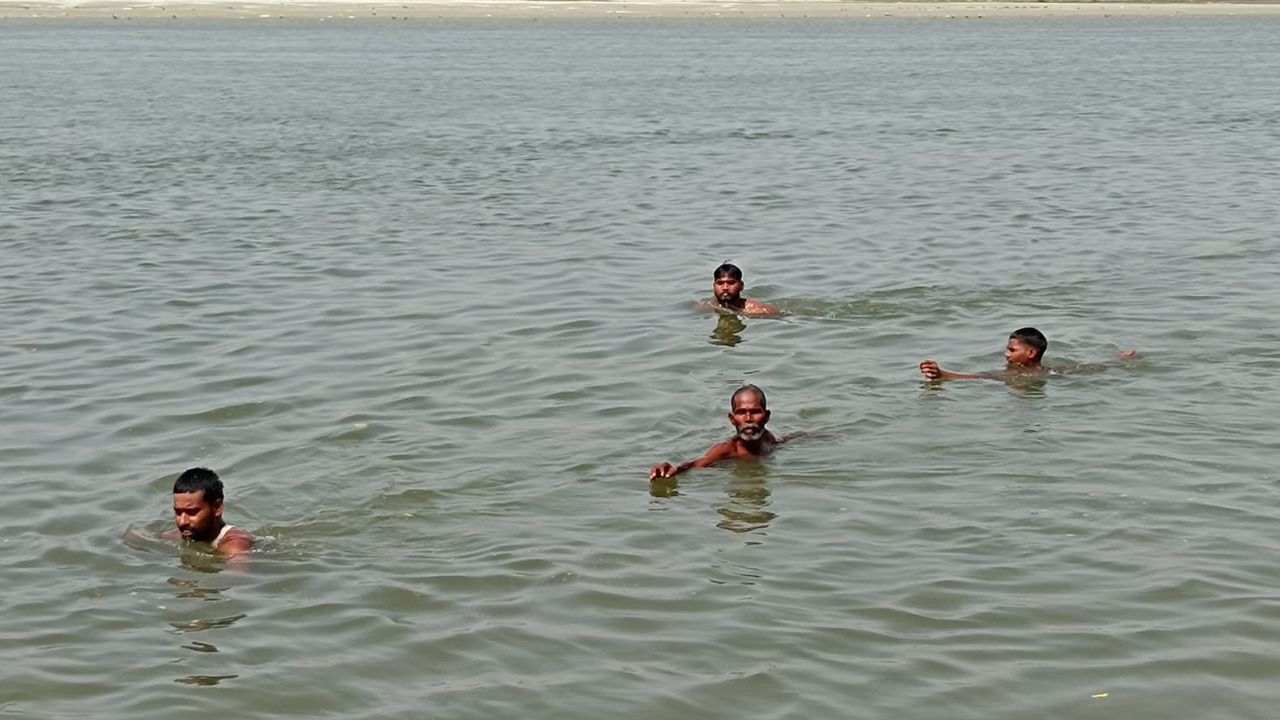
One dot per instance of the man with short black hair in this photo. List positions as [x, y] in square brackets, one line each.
[197, 511]
[727, 287]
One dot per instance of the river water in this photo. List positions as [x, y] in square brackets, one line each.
[423, 295]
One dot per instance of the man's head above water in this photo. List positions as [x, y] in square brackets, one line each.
[726, 290]
[197, 504]
[1026, 347]
[727, 286]
[749, 413]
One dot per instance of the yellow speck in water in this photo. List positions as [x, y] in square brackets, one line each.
[1101, 696]
[360, 426]
[409, 515]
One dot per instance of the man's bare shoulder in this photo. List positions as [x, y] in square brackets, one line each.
[236, 541]
[722, 450]
[756, 308]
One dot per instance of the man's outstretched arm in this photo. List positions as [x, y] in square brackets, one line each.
[931, 371]
[662, 471]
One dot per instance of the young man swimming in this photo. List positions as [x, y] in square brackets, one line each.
[750, 414]
[1022, 355]
[727, 287]
[197, 511]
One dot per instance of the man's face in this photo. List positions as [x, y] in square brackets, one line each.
[194, 517]
[1020, 353]
[727, 289]
[749, 417]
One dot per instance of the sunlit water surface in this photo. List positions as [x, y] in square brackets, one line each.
[423, 294]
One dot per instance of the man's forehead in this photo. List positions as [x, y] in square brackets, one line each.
[747, 397]
[189, 498]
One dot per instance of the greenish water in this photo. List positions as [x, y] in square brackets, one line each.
[423, 295]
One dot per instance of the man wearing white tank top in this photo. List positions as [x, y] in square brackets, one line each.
[197, 511]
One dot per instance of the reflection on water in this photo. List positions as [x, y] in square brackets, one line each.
[1029, 385]
[204, 624]
[748, 499]
[191, 589]
[201, 557]
[664, 487]
[728, 330]
[203, 647]
[204, 679]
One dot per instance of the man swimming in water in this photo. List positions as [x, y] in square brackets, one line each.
[749, 416]
[197, 511]
[727, 287]
[1022, 356]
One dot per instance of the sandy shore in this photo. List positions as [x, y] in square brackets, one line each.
[371, 11]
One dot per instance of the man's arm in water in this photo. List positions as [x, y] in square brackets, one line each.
[931, 371]
[718, 452]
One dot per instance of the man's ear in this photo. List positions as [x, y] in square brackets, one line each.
[768, 414]
[217, 509]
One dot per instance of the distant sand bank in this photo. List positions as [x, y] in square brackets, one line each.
[373, 11]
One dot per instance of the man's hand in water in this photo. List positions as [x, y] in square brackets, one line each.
[662, 471]
[931, 370]
[1127, 355]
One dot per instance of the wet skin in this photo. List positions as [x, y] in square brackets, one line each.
[748, 417]
[201, 521]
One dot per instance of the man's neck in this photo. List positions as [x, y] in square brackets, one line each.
[214, 530]
[737, 303]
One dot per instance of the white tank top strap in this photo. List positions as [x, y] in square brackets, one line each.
[222, 534]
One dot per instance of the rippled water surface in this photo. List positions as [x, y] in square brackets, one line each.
[423, 294]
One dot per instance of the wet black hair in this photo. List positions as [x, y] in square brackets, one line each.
[764, 403]
[199, 479]
[1033, 337]
[727, 269]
